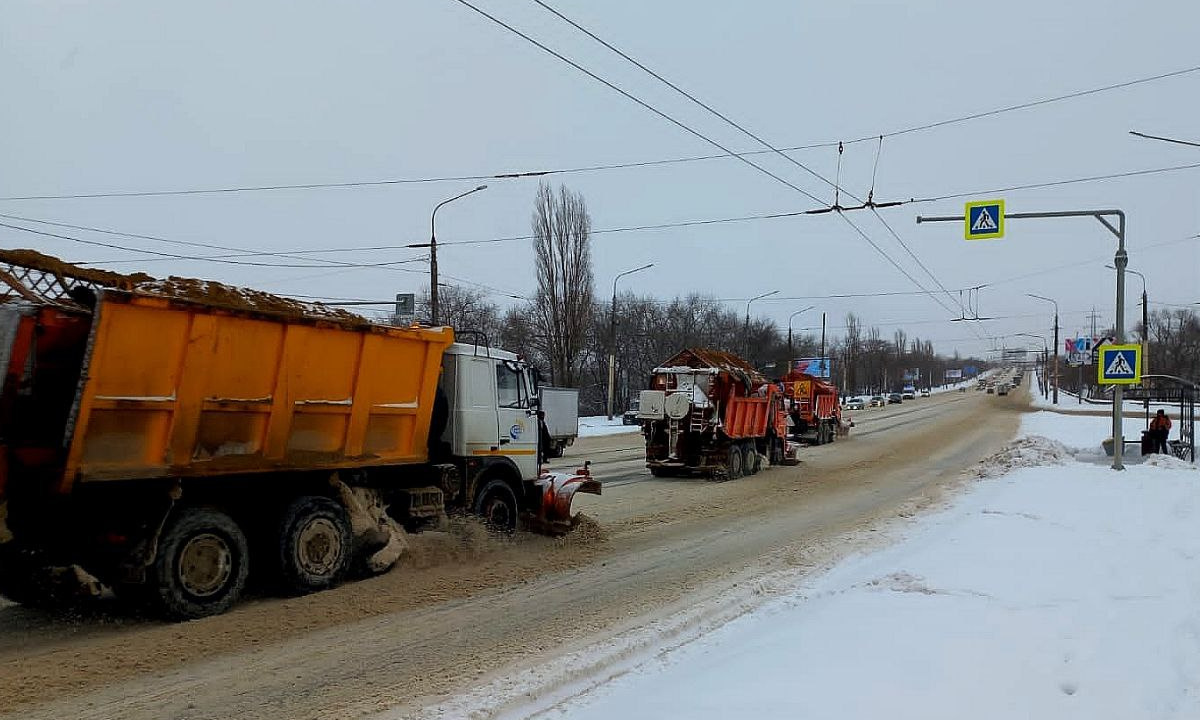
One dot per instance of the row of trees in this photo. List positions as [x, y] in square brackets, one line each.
[565, 329]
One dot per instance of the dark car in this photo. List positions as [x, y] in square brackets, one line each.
[895, 399]
[631, 415]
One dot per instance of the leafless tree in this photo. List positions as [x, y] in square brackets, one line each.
[463, 309]
[562, 307]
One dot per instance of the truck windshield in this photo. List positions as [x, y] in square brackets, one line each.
[510, 390]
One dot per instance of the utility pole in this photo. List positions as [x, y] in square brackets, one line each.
[432, 245]
[822, 337]
[612, 337]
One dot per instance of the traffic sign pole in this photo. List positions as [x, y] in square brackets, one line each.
[1119, 261]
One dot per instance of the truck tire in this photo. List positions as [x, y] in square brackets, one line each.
[201, 565]
[497, 505]
[735, 464]
[751, 459]
[315, 545]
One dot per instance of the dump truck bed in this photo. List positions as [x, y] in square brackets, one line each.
[173, 388]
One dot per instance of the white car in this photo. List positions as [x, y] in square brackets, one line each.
[855, 403]
[925, 392]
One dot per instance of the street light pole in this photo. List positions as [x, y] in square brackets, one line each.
[1039, 297]
[746, 327]
[1045, 356]
[791, 350]
[612, 337]
[433, 268]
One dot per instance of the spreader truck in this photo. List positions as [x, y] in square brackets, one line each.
[712, 413]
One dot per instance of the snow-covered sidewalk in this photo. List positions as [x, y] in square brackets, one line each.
[1050, 588]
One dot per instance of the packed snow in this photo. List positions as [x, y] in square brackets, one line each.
[1052, 587]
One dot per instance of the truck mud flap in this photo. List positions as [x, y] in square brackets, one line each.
[555, 491]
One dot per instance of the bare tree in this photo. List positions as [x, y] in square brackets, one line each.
[463, 309]
[563, 304]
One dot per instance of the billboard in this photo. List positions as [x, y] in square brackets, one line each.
[1083, 350]
[817, 367]
[954, 374]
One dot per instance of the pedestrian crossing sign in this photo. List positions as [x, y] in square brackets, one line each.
[984, 220]
[1120, 365]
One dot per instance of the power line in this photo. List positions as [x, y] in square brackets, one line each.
[725, 118]
[636, 99]
[598, 167]
[1056, 183]
[208, 258]
[1164, 139]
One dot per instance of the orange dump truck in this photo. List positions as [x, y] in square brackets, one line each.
[711, 412]
[168, 439]
[814, 414]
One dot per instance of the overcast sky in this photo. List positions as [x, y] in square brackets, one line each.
[145, 96]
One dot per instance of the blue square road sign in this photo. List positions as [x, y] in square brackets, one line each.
[1119, 365]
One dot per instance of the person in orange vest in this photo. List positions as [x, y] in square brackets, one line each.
[1160, 427]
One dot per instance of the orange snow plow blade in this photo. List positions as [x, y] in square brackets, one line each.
[553, 515]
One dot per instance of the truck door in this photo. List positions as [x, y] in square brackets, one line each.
[517, 423]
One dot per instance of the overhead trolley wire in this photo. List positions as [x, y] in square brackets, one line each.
[599, 166]
[714, 112]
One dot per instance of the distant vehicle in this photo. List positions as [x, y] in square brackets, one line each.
[924, 392]
[878, 401]
[855, 403]
[895, 399]
[908, 393]
[990, 389]
[631, 415]
[1002, 390]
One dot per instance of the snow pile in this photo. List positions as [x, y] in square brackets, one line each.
[1024, 452]
[1060, 590]
[1169, 462]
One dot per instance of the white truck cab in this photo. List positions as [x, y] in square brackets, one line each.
[493, 411]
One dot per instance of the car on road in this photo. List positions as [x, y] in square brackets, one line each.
[855, 403]
[895, 399]
[1002, 390]
[878, 401]
[908, 393]
[631, 415]
[990, 389]
[925, 392]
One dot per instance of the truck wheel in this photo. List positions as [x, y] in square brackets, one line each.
[752, 459]
[201, 565]
[736, 467]
[315, 544]
[497, 505]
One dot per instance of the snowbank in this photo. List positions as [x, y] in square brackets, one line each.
[597, 425]
[1061, 590]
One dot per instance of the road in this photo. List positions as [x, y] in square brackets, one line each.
[464, 608]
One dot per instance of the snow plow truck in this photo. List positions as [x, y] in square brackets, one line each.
[169, 439]
[712, 413]
[814, 414]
